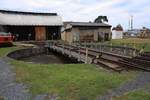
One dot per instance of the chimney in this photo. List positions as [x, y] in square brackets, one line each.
[131, 23]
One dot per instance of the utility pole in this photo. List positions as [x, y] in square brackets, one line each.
[131, 22]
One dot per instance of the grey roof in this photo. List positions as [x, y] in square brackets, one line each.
[33, 19]
[31, 13]
[89, 24]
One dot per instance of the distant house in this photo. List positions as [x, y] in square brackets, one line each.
[31, 25]
[134, 33]
[145, 33]
[85, 32]
[117, 32]
[137, 33]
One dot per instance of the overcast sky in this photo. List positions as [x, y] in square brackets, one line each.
[118, 11]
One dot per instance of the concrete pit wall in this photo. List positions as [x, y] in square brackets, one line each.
[24, 53]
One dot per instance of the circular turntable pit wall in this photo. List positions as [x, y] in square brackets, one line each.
[24, 53]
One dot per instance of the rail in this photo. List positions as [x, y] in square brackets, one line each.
[114, 61]
[118, 50]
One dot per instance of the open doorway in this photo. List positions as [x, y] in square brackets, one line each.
[53, 33]
[22, 33]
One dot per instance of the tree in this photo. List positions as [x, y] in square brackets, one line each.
[101, 19]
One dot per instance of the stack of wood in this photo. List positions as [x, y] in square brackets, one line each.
[87, 38]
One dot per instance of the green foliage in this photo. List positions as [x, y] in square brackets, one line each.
[70, 82]
[101, 19]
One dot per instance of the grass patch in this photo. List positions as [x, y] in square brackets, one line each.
[70, 82]
[132, 40]
[135, 95]
[1, 98]
[139, 43]
[6, 50]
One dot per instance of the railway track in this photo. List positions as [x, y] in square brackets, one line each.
[112, 61]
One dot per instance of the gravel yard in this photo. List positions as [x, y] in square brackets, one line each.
[9, 89]
[140, 82]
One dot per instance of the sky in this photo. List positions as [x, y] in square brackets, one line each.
[117, 11]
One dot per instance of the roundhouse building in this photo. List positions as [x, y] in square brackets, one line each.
[31, 25]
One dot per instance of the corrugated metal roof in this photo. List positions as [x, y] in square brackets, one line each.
[89, 24]
[29, 19]
[27, 12]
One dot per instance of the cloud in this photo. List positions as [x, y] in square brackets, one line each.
[118, 11]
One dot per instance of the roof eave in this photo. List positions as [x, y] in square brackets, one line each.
[90, 26]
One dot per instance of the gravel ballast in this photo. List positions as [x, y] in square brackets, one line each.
[140, 82]
[9, 89]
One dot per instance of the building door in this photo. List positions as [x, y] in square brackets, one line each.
[106, 37]
[40, 33]
[53, 33]
[21, 33]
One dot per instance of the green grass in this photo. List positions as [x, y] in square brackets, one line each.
[1, 98]
[135, 95]
[6, 50]
[70, 82]
[131, 42]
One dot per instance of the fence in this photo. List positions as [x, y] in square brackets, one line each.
[119, 50]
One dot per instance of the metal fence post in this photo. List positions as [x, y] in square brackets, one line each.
[63, 49]
[86, 58]
[70, 52]
[111, 47]
[79, 56]
[125, 50]
[134, 51]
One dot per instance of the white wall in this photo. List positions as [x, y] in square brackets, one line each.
[117, 34]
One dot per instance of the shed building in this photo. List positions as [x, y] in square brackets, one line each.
[86, 32]
[31, 25]
[117, 32]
